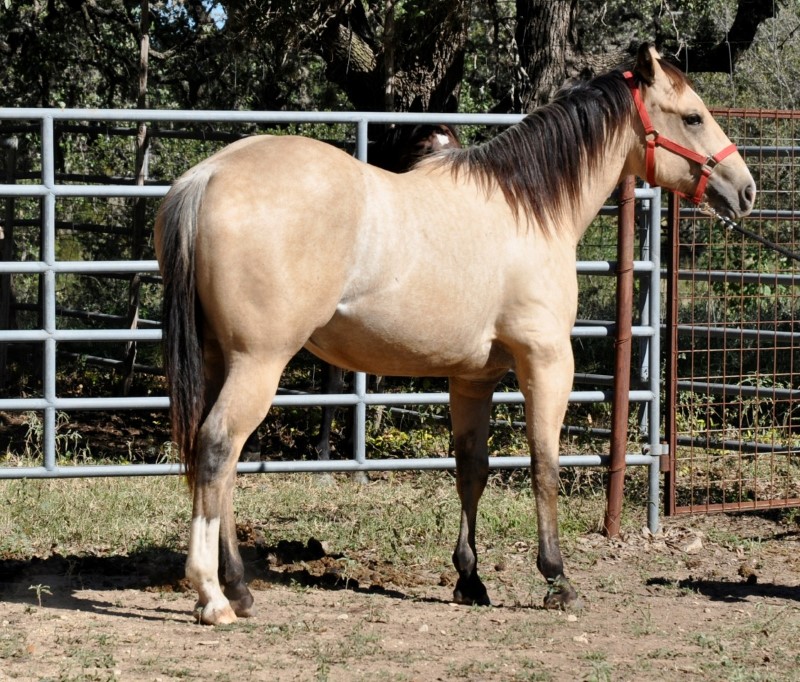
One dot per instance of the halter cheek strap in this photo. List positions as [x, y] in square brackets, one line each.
[655, 139]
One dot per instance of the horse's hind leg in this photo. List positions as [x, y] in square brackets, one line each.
[242, 402]
[470, 410]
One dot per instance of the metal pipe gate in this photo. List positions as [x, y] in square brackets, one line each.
[646, 269]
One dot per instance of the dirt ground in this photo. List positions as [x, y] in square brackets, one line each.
[714, 598]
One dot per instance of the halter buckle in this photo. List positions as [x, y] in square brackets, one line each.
[709, 165]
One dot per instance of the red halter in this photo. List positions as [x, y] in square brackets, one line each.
[655, 139]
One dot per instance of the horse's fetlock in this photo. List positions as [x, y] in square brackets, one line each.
[465, 561]
[550, 568]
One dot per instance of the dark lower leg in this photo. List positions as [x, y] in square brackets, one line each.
[470, 406]
[560, 593]
[231, 567]
[332, 382]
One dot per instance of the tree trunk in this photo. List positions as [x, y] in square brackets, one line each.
[140, 204]
[546, 44]
[417, 66]
[432, 60]
[722, 56]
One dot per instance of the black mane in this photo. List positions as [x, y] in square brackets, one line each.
[540, 162]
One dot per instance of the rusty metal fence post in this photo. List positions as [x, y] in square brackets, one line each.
[622, 357]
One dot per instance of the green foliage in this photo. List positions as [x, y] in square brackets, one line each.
[250, 54]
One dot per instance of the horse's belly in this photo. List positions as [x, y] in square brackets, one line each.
[415, 348]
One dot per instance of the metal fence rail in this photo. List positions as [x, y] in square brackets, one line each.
[50, 192]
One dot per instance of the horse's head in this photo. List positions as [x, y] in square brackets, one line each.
[684, 147]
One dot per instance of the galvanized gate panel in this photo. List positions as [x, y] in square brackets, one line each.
[51, 333]
[733, 367]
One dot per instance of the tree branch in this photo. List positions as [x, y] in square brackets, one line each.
[722, 57]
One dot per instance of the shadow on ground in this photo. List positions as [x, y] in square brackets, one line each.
[58, 580]
[726, 591]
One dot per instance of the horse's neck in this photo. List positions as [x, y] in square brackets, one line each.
[598, 185]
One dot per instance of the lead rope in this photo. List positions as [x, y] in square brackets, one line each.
[708, 210]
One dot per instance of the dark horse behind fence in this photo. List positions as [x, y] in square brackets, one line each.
[472, 284]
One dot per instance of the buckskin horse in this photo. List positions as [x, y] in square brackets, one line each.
[463, 268]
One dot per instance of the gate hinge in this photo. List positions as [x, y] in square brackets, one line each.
[662, 452]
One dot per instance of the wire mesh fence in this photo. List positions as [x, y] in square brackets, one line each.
[734, 315]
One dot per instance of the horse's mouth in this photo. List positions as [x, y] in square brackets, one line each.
[721, 206]
[731, 203]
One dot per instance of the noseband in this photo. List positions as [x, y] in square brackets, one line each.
[656, 139]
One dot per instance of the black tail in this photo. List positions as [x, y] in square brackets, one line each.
[182, 316]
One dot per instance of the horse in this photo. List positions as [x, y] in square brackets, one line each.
[462, 268]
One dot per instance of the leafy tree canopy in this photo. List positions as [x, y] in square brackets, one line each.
[390, 54]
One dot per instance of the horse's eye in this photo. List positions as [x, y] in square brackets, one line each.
[693, 120]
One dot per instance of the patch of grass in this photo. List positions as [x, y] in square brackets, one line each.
[531, 672]
[751, 650]
[645, 626]
[12, 644]
[91, 515]
[473, 670]
[662, 653]
[600, 670]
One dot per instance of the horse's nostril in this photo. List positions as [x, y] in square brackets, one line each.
[749, 194]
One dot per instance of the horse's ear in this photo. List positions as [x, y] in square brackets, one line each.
[647, 63]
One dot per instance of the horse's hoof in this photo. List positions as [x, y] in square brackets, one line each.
[471, 592]
[561, 595]
[216, 615]
[244, 607]
[240, 599]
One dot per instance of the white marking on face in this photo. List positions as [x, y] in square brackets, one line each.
[443, 139]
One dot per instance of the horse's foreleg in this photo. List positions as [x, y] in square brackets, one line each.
[546, 384]
[470, 410]
[245, 396]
